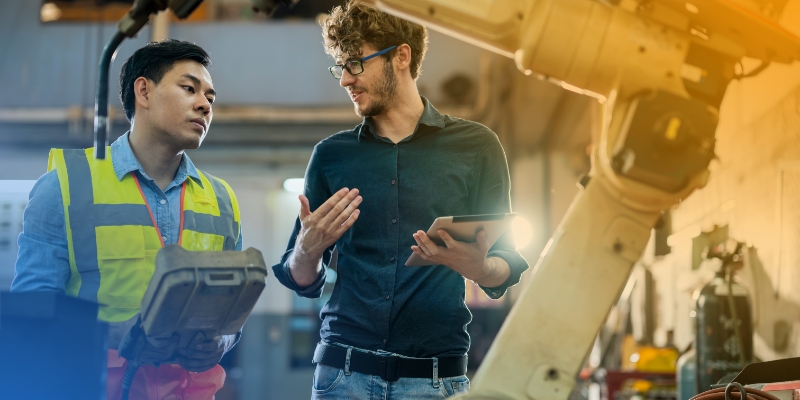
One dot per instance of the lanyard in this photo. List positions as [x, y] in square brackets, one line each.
[155, 225]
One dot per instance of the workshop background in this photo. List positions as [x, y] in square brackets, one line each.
[277, 99]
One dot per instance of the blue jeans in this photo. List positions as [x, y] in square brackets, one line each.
[336, 384]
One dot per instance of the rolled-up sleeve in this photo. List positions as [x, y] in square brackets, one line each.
[316, 189]
[43, 258]
[494, 196]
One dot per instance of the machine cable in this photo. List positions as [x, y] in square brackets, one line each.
[727, 393]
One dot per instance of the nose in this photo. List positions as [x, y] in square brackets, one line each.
[203, 105]
[347, 79]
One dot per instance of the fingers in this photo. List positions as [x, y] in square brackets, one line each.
[200, 354]
[161, 343]
[338, 208]
[348, 223]
[483, 242]
[344, 215]
[210, 345]
[195, 365]
[328, 205]
[420, 253]
[426, 244]
[305, 209]
[448, 240]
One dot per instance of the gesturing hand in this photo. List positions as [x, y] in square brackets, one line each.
[323, 227]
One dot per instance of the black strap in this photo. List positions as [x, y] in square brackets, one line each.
[389, 368]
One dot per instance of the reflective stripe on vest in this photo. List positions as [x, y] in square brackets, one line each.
[111, 237]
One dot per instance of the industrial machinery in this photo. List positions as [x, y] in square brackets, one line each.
[194, 296]
[660, 68]
[724, 331]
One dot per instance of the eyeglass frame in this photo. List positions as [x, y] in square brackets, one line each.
[360, 61]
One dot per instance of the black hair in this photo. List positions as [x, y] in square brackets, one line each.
[153, 61]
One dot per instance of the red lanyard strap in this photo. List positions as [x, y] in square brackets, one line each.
[155, 225]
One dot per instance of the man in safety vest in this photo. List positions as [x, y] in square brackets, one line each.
[92, 227]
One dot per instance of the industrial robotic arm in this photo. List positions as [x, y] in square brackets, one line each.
[660, 68]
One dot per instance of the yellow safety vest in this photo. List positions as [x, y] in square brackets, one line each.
[112, 236]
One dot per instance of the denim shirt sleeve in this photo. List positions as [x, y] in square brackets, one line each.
[317, 192]
[238, 246]
[43, 258]
[494, 197]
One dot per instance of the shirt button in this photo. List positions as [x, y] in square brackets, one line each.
[394, 221]
[395, 145]
[164, 238]
[392, 259]
[384, 340]
[393, 181]
[163, 201]
[387, 297]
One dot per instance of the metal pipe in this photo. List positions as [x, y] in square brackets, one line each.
[101, 125]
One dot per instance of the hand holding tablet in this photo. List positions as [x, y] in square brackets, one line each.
[464, 229]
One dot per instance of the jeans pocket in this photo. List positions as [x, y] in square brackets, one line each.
[326, 378]
[455, 385]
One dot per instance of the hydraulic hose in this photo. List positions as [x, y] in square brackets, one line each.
[127, 379]
[101, 125]
[727, 393]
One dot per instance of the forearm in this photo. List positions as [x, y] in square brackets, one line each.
[304, 267]
[498, 272]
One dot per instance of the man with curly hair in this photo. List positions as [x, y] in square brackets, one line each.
[391, 331]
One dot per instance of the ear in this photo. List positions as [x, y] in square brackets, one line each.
[402, 57]
[141, 89]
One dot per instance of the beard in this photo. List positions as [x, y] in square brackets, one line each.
[383, 94]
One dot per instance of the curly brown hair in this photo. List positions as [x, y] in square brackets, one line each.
[350, 26]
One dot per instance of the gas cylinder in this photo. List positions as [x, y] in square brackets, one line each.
[686, 373]
[718, 350]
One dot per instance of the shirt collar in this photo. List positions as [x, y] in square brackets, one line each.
[431, 119]
[125, 162]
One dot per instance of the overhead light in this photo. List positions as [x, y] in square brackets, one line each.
[294, 185]
[692, 8]
[523, 232]
[50, 12]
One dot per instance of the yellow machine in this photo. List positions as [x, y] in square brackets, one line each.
[660, 68]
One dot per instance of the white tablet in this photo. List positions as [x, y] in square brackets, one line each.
[465, 228]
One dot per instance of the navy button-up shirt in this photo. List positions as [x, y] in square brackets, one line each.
[448, 166]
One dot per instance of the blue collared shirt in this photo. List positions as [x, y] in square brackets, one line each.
[448, 166]
[43, 258]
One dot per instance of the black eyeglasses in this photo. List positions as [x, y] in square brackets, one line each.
[355, 67]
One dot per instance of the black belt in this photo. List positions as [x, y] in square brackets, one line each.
[389, 368]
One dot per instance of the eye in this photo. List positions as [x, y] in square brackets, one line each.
[210, 100]
[189, 89]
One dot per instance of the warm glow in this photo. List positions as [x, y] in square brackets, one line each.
[294, 185]
[50, 12]
[523, 232]
[684, 235]
[692, 8]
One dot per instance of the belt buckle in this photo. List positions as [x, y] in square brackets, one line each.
[388, 369]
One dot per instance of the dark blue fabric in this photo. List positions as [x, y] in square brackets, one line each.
[449, 166]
